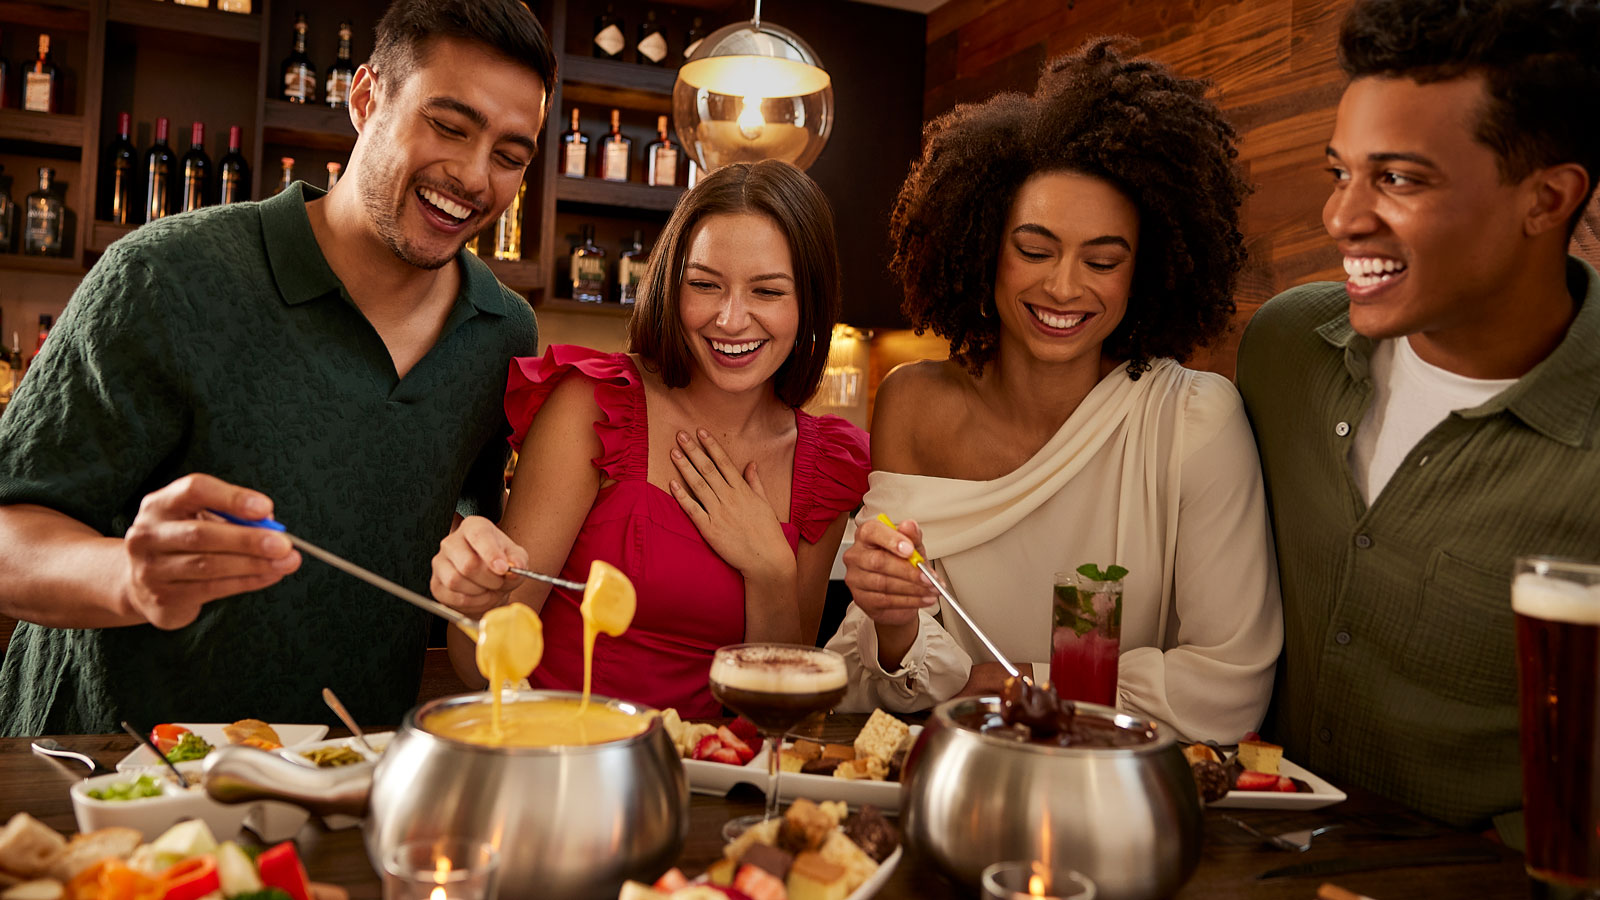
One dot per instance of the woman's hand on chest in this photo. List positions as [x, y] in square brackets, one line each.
[729, 506]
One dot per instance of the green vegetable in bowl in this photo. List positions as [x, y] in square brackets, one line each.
[143, 786]
[190, 746]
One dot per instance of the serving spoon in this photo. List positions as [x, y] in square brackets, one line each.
[51, 748]
[332, 699]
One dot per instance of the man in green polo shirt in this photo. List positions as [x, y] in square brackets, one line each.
[333, 360]
[1437, 414]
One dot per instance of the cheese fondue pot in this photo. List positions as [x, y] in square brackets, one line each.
[569, 821]
[1126, 816]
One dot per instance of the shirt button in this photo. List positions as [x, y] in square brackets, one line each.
[1325, 735]
[1363, 541]
[1342, 429]
[1342, 637]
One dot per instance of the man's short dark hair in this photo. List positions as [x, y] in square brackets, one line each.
[505, 26]
[1540, 61]
[797, 206]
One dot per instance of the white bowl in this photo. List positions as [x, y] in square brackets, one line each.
[153, 815]
[379, 742]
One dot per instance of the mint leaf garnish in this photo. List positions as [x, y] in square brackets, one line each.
[1094, 573]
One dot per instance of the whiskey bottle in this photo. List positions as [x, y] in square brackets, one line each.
[234, 172]
[287, 178]
[341, 73]
[234, 6]
[40, 82]
[196, 170]
[333, 174]
[508, 231]
[615, 149]
[121, 161]
[8, 215]
[608, 40]
[652, 46]
[630, 270]
[574, 150]
[588, 269]
[41, 235]
[661, 158]
[299, 76]
[159, 162]
[691, 40]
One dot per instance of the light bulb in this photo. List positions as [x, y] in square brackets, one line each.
[750, 121]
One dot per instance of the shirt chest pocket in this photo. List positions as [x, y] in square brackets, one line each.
[1463, 641]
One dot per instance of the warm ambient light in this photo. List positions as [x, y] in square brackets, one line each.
[752, 91]
[1036, 886]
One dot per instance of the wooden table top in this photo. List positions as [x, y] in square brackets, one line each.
[1229, 863]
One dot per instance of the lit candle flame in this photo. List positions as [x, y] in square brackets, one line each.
[1035, 886]
[438, 894]
[441, 871]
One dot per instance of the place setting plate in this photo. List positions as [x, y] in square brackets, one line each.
[211, 732]
[719, 778]
[1322, 793]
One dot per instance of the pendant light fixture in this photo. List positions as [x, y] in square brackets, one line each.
[752, 91]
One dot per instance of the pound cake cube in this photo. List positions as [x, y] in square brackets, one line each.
[806, 750]
[788, 762]
[814, 878]
[1260, 756]
[880, 736]
[862, 768]
[837, 752]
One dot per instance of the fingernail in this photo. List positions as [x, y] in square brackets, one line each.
[683, 437]
[274, 544]
[704, 434]
[677, 454]
[256, 507]
[675, 486]
[284, 562]
[905, 549]
[499, 567]
[925, 579]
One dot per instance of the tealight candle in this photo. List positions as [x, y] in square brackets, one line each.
[1033, 880]
[441, 869]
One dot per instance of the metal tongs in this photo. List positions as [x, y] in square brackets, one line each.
[921, 563]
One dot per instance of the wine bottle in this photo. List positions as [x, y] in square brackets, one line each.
[333, 174]
[342, 72]
[588, 269]
[234, 171]
[661, 158]
[652, 45]
[630, 269]
[121, 162]
[287, 177]
[615, 150]
[41, 235]
[691, 40]
[299, 76]
[159, 161]
[508, 231]
[196, 170]
[608, 39]
[39, 83]
[574, 150]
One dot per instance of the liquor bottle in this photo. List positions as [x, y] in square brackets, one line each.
[299, 76]
[630, 270]
[652, 46]
[508, 231]
[234, 171]
[333, 174]
[615, 148]
[40, 81]
[588, 269]
[8, 215]
[159, 161]
[121, 162]
[41, 235]
[341, 73]
[691, 40]
[574, 150]
[661, 158]
[199, 3]
[288, 173]
[45, 320]
[196, 170]
[471, 246]
[608, 40]
[234, 6]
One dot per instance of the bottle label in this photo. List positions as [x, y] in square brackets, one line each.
[689, 50]
[666, 173]
[653, 47]
[577, 159]
[297, 85]
[588, 277]
[36, 92]
[338, 88]
[616, 162]
[44, 231]
[629, 273]
[230, 187]
[610, 40]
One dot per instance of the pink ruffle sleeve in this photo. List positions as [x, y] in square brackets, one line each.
[617, 391]
[832, 460]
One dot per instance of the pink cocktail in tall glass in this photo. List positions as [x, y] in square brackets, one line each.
[1085, 637]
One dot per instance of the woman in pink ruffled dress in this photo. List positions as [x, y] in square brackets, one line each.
[687, 462]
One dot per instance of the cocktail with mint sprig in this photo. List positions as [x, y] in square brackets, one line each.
[1086, 633]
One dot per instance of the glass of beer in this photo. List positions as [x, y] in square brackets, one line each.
[1557, 603]
[776, 686]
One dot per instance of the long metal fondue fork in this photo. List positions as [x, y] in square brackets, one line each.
[921, 563]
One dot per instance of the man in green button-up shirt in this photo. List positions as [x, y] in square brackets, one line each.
[1438, 414]
[333, 360]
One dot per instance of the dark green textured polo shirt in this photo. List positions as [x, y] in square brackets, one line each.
[1399, 672]
[221, 342]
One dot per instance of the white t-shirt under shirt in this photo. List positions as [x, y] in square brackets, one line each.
[1410, 397]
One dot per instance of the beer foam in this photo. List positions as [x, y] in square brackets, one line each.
[1555, 599]
[780, 670]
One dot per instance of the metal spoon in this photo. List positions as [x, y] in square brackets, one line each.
[49, 747]
[182, 781]
[329, 698]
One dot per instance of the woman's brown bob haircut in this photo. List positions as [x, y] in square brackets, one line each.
[789, 198]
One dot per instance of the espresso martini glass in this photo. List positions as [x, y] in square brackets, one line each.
[776, 686]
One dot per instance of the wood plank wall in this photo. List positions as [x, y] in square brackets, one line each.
[1276, 76]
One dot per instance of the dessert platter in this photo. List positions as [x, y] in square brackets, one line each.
[1254, 775]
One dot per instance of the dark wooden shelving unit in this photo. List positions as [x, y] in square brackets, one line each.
[41, 128]
[611, 83]
[55, 15]
[102, 234]
[562, 304]
[64, 265]
[191, 21]
[524, 276]
[623, 195]
[307, 125]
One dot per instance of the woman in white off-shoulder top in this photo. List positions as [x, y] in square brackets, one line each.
[1070, 246]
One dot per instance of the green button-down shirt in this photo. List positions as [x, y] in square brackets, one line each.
[1399, 671]
[221, 342]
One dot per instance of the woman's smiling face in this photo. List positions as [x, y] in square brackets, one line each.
[737, 300]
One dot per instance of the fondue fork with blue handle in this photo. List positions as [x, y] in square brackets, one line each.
[921, 563]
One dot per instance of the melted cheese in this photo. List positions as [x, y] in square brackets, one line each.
[510, 643]
[555, 722]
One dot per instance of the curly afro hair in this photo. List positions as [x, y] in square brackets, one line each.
[1132, 122]
[1540, 60]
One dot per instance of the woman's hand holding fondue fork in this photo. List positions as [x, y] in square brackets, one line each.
[472, 571]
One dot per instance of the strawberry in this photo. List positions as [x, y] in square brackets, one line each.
[729, 739]
[1286, 785]
[1251, 736]
[759, 884]
[1256, 781]
[728, 755]
[746, 730]
[671, 880]
[707, 746]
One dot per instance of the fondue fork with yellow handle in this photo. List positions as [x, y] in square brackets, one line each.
[921, 563]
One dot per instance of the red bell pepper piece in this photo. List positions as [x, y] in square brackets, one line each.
[190, 879]
[166, 736]
[280, 868]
